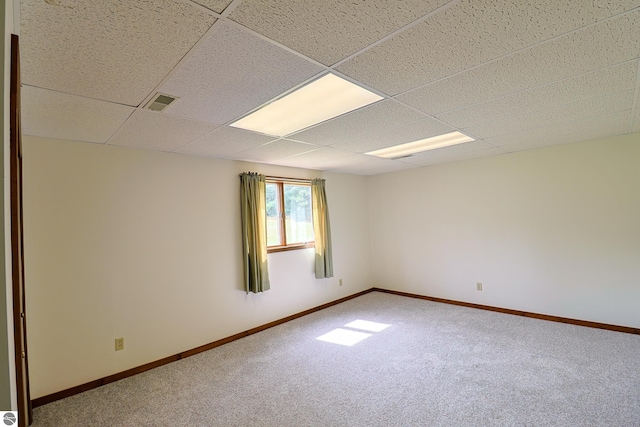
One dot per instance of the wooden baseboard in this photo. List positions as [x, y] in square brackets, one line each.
[617, 328]
[133, 371]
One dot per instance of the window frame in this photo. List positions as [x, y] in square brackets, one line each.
[280, 183]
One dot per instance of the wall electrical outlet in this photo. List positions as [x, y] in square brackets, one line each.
[119, 344]
[479, 286]
[340, 282]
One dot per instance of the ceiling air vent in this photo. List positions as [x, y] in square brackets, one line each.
[160, 102]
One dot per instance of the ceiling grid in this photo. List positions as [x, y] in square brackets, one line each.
[514, 75]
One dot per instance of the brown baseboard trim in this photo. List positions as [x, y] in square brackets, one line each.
[133, 371]
[617, 328]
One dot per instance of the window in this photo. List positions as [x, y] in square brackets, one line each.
[289, 220]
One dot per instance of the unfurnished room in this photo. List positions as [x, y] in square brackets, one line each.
[321, 213]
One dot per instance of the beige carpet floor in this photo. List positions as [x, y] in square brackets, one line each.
[435, 365]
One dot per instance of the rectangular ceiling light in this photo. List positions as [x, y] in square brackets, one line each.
[432, 143]
[320, 100]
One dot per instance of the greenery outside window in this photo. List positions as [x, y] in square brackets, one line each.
[289, 214]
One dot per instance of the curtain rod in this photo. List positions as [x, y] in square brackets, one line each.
[282, 178]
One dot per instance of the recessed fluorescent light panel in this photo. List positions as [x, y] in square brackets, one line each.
[405, 150]
[320, 100]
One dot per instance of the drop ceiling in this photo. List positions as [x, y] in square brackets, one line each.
[513, 75]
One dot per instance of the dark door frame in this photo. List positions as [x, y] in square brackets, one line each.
[17, 244]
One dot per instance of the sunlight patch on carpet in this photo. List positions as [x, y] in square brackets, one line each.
[343, 337]
[366, 325]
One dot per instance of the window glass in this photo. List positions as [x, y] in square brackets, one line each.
[289, 220]
[273, 215]
[297, 207]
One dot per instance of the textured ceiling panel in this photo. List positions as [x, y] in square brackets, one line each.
[58, 115]
[518, 75]
[602, 45]
[217, 84]
[224, 142]
[479, 30]
[554, 116]
[363, 123]
[452, 152]
[575, 130]
[391, 167]
[362, 164]
[274, 151]
[215, 5]
[558, 139]
[436, 157]
[106, 49]
[414, 131]
[324, 158]
[329, 30]
[609, 80]
[158, 131]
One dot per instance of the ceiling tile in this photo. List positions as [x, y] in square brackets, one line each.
[363, 123]
[393, 167]
[468, 34]
[323, 159]
[610, 80]
[388, 137]
[216, 5]
[603, 45]
[445, 155]
[59, 115]
[329, 30]
[106, 50]
[437, 157]
[553, 116]
[158, 131]
[363, 164]
[558, 139]
[589, 128]
[224, 142]
[231, 73]
[447, 152]
[273, 151]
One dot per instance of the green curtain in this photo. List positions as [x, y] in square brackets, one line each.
[254, 232]
[321, 230]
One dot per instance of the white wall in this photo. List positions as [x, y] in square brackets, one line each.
[553, 231]
[146, 246]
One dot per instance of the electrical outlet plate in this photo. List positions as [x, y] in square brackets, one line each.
[119, 344]
[340, 282]
[479, 286]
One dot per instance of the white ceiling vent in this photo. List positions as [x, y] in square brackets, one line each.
[160, 102]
